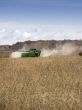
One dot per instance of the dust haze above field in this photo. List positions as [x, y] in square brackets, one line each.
[47, 47]
[61, 49]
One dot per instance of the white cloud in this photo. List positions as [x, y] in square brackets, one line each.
[10, 37]
[11, 33]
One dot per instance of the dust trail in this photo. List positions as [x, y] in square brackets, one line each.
[66, 49]
[63, 49]
[16, 54]
[48, 52]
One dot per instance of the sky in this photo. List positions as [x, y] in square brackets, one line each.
[22, 20]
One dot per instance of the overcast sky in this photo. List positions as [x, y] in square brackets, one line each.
[22, 20]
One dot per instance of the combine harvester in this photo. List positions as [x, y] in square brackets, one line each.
[28, 53]
[31, 53]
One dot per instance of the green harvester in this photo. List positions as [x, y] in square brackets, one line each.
[31, 53]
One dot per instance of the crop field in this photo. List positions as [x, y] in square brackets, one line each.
[51, 83]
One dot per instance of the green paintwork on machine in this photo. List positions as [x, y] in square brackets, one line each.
[31, 53]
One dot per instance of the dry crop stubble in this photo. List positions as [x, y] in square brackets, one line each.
[51, 83]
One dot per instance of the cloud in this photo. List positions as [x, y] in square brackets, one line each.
[20, 33]
[10, 37]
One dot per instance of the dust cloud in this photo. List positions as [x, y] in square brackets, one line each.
[66, 49]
